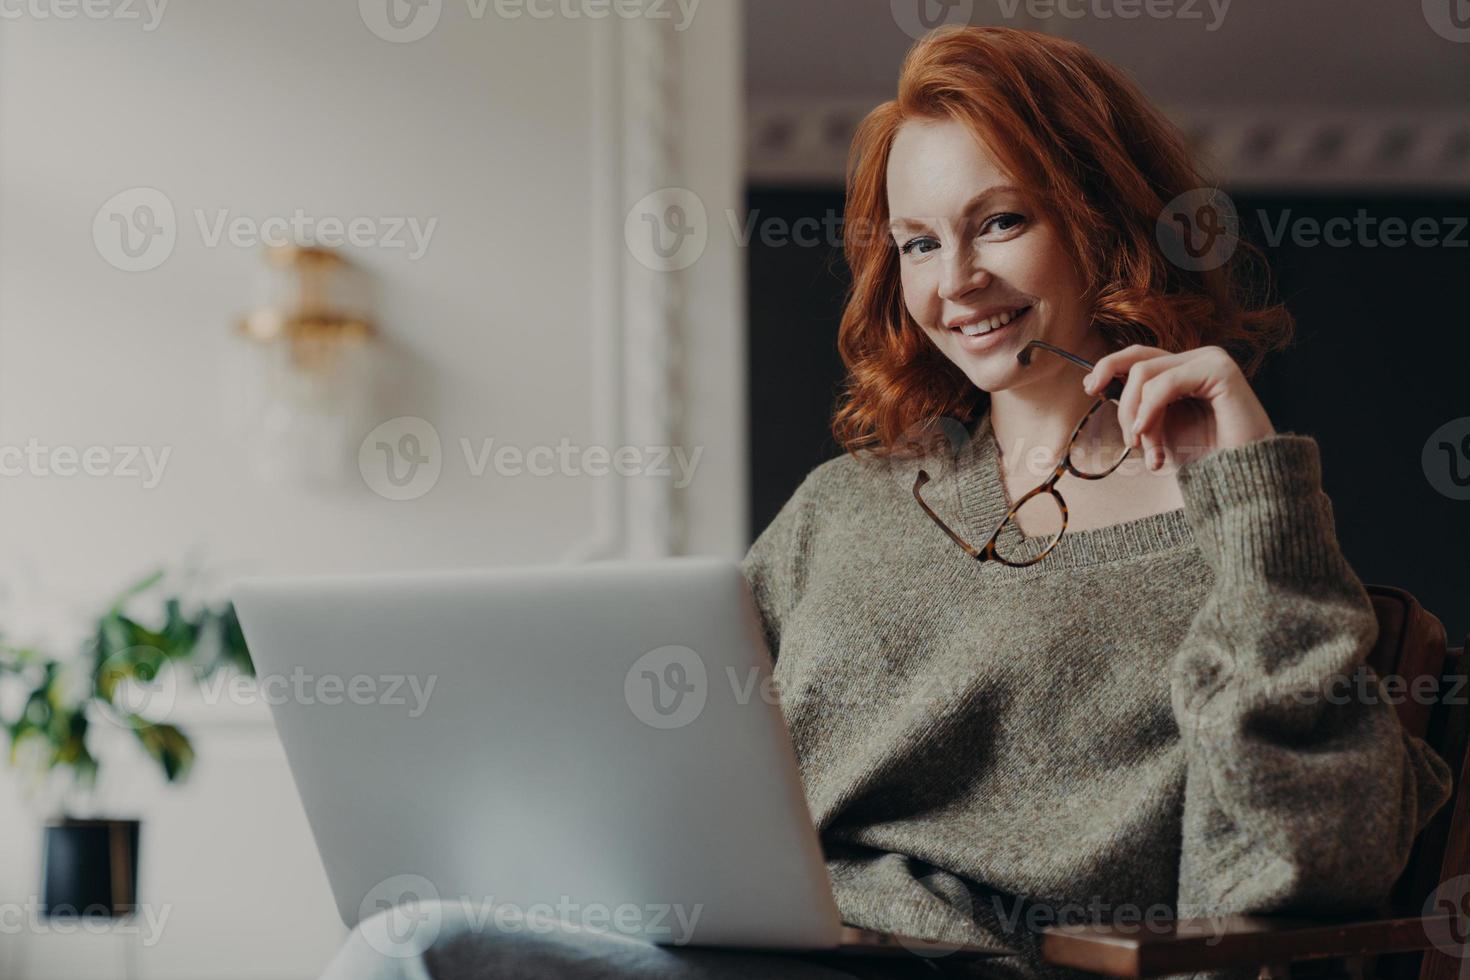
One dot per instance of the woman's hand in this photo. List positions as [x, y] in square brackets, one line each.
[1185, 405]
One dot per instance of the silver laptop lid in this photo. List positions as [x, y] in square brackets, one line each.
[599, 739]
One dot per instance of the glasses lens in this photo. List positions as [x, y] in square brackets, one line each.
[1099, 448]
[1030, 531]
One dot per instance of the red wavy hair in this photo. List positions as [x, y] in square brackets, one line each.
[1099, 160]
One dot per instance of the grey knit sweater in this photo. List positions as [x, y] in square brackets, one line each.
[1133, 727]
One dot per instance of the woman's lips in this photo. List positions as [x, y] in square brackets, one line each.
[987, 340]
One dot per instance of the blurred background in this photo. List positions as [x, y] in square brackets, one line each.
[342, 286]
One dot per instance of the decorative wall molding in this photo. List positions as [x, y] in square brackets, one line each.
[654, 362]
[1255, 147]
[638, 313]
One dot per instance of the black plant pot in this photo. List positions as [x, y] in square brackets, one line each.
[90, 869]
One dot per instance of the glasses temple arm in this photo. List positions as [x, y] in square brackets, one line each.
[969, 549]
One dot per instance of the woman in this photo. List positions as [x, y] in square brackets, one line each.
[1127, 727]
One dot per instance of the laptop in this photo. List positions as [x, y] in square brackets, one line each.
[601, 744]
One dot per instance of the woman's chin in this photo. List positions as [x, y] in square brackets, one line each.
[990, 378]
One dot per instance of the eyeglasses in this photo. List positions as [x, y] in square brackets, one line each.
[1098, 425]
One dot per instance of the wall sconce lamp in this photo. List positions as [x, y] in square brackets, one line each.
[308, 359]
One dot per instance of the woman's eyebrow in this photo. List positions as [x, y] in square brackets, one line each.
[970, 205]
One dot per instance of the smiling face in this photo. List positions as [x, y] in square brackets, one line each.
[983, 271]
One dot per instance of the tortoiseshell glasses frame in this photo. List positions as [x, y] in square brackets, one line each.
[1112, 393]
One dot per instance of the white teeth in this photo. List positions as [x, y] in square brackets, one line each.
[990, 323]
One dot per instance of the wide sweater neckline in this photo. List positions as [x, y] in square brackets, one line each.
[984, 501]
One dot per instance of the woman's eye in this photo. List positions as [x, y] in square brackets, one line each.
[920, 245]
[1010, 220]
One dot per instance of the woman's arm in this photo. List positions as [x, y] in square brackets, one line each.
[1296, 798]
[1301, 794]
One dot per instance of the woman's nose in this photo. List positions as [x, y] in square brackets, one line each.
[961, 273]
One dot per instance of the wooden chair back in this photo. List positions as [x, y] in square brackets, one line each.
[1412, 647]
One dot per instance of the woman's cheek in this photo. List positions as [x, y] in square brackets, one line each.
[917, 295]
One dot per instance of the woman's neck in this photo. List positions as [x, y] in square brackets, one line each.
[1031, 423]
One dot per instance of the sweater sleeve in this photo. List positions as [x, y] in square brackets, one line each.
[1303, 793]
[775, 565]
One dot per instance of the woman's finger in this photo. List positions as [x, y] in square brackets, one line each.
[1116, 363]
[1139, 374]
[1184, 379]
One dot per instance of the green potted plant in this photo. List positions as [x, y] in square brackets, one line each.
[90, 864]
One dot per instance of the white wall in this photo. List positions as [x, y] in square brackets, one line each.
[501, 129]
